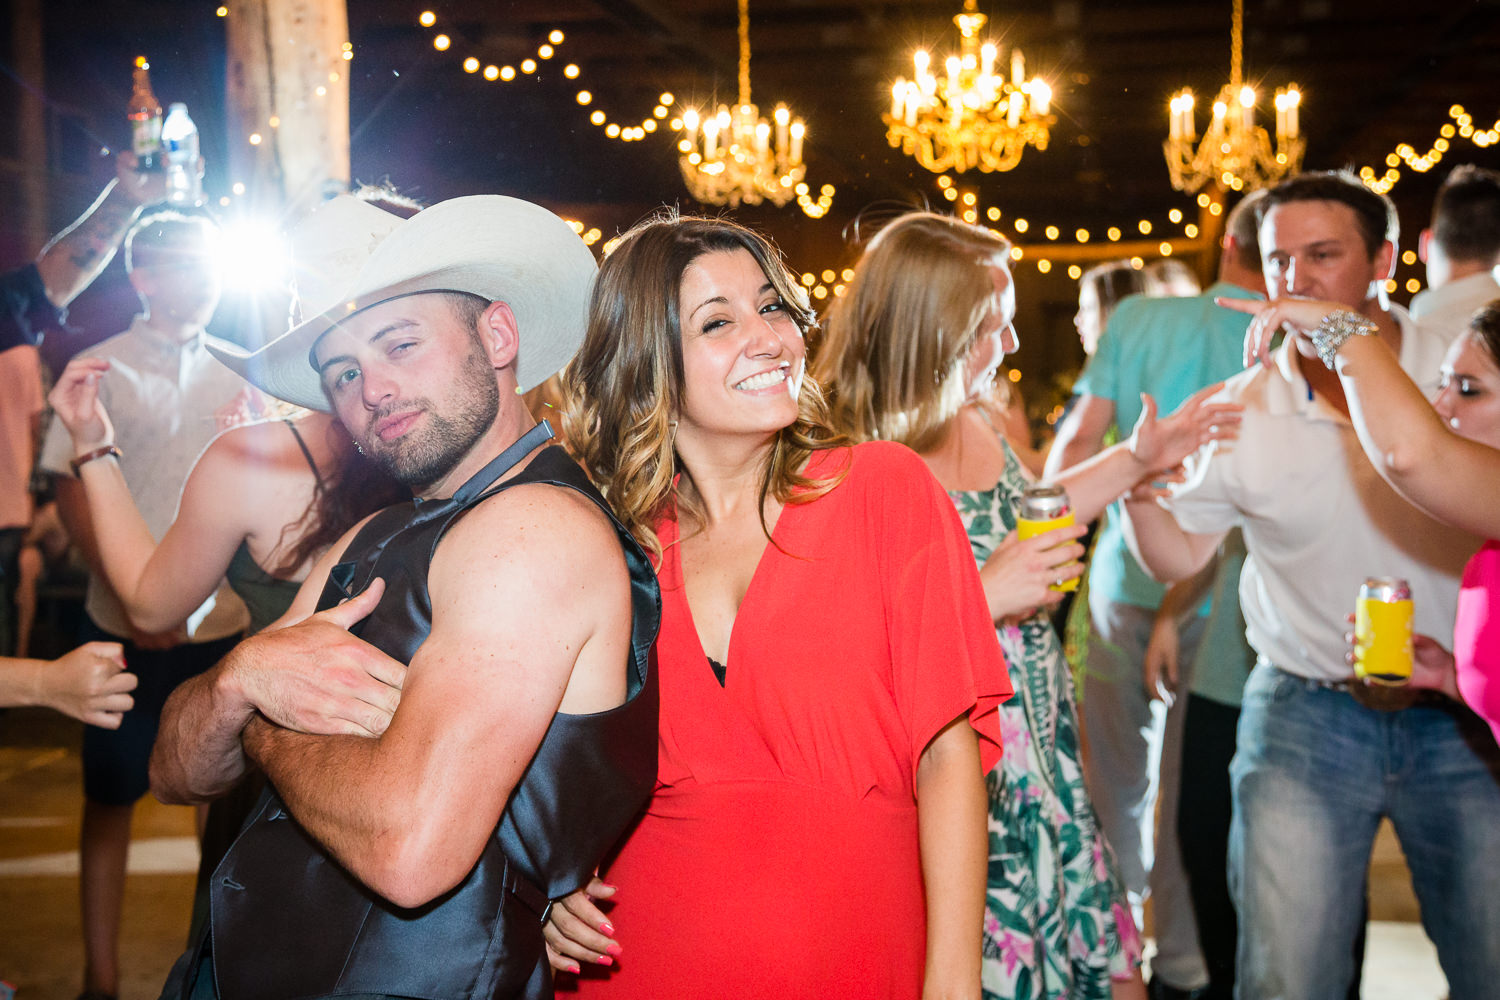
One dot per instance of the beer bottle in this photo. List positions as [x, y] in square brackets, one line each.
[144, 112]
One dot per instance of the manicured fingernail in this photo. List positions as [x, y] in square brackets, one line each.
[614, 949]
[575, 969]
[607, 928]
[605, 960]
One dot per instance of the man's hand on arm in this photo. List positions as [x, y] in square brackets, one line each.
[312, 676]
[410, 812]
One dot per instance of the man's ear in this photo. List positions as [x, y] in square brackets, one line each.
[1385, 261]
[499, 335]
[1424, 245]
[141, 281]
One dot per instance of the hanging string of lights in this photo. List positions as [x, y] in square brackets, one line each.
[662, 117]
[824, 284]
[1461, 125]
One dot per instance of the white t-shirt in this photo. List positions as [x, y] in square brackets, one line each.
[1317, 517]
[165, 401]
[1446, 310]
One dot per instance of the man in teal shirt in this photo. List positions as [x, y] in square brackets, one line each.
[1170, 348]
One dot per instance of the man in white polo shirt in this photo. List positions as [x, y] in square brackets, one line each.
[167, 396]
[1321, 758]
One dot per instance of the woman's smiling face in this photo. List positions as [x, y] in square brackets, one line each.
[742, 353]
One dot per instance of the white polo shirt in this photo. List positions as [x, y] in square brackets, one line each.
[1446, 310]
[1317, 517]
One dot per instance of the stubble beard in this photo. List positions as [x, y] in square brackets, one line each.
[420, 459]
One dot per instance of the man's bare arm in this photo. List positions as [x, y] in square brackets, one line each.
[410, 812]
[1161, 546]
[1081, 435]
[304, 670]
[78, 254]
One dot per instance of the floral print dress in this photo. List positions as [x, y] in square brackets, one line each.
[1056, 924]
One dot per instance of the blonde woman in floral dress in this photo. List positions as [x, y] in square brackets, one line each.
[910, 356]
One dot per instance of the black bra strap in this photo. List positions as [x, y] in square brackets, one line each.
[297, 435]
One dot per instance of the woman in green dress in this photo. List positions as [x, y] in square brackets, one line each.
[910, 355]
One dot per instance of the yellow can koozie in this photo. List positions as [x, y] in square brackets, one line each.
[1383, 632]
[1028, 528]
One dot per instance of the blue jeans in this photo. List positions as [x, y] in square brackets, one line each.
[1313, 773]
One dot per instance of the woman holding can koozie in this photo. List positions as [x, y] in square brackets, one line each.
[1443, 456]
[910, 356]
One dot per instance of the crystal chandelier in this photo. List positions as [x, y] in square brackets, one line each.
[736, 155]
[971, 117]
[1235, 152]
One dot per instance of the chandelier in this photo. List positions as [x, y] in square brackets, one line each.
[971, 117]
[1235, 152]
[736, 155]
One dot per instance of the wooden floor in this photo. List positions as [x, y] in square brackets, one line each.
[41, 956]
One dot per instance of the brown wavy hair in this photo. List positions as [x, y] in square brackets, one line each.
[1484, 327]
[893, 354]
[352, 489]
[624, 388]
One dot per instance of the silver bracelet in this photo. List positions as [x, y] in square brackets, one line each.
[1337, 327]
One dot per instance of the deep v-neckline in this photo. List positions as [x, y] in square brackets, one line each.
[767, 553]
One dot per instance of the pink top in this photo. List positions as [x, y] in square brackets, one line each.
[1476, 635]
[779, 856]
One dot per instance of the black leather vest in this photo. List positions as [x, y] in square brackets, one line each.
[288, 922]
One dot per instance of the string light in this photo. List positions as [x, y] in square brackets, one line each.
[1051, 231]
[815, 208]
[589, 235]
[1461, 125]
[625, 132]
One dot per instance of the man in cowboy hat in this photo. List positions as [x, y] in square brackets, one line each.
[505, 610]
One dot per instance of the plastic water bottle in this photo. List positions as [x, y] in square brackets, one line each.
[179, 140]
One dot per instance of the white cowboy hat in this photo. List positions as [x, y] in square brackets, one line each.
[501, 249]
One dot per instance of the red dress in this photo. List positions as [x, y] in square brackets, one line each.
[778, 857]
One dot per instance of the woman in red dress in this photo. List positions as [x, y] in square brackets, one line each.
[829, 673]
